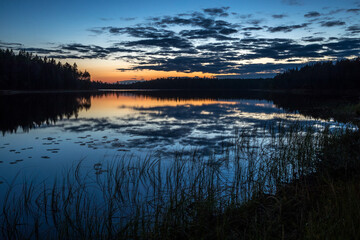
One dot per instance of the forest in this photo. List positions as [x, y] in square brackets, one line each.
[343, 74]
[25, 71]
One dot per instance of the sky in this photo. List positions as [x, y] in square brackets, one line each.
[141, 39]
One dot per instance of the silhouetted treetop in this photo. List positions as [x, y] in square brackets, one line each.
[24, 71]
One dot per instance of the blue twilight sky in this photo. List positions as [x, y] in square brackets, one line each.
[122, 40]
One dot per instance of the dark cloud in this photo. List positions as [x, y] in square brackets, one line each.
[94, 51]
[343, 47]
[336, 11]
[288, 28]
[355, 29]
[292, 2]
[207, 27]
[221, 12]
[252, 28]
[195, 20]
[79, 47]
[313, 39]
[42, 50]
[217, 47]
[128, 18]
[96, 30]
[141, 32]
[312, 14]
[187, 64]
[353, 10]
[255, 21]
[106, 19]
[344, 44]
[332, 23]
[167, 52]
[80, 51]
[279, 16]
[227, 31]
[245, 16]
[279, 49]
[67, 56]
[208, 33]
[9, 45]
[175, 42]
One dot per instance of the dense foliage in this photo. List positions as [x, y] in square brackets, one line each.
[24, 71]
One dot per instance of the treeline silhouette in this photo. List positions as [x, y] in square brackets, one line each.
[343, 74]
[24, 71]
[340, 75]
[189, 83]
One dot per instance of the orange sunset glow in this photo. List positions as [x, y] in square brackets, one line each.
[105, 70]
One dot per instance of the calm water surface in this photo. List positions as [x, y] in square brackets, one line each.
[43, 134]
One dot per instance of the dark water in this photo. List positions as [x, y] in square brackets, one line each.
[43, 134]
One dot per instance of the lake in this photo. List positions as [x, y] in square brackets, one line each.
[44, 133]
[75, 159]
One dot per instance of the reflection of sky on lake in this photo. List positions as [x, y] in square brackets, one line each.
[134, 125]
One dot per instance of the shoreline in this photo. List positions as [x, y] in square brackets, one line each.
[284, 91]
